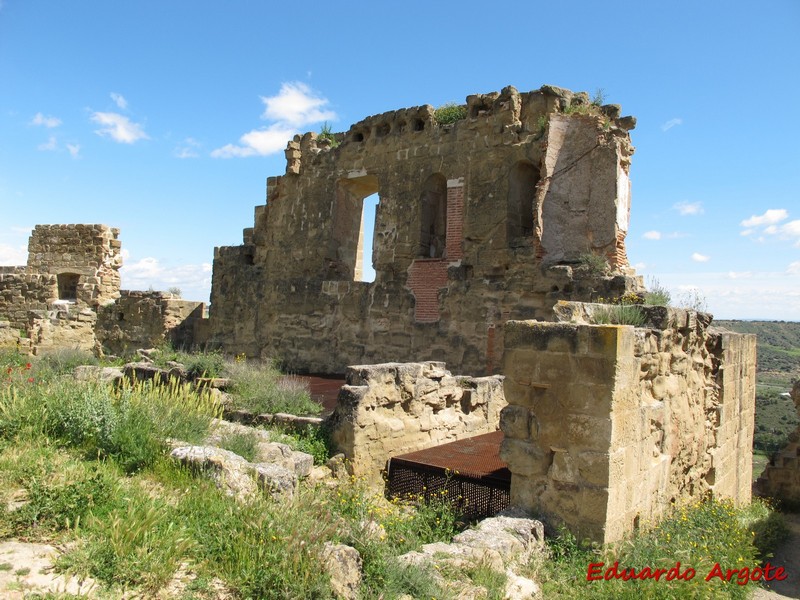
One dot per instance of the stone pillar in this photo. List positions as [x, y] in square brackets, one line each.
[608, 426]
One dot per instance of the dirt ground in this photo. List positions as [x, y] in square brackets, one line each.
[787, 555]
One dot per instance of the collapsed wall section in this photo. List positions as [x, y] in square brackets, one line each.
[607, 426]
[147, 320]
[390, 409]
[470, 231]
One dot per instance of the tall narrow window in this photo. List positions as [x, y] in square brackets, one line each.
[366, 238]
[68, 286]
[433, 217]
[522, 183]
[354, 225]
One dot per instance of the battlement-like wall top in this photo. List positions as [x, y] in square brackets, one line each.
[505, 114]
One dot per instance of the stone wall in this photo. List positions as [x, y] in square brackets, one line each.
[781, 478]
[146, 320]
[390, 409]
[608, 425]
[479, 221]
[21, 291]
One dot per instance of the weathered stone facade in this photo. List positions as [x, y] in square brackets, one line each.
[479, 221]
[608, 425]
[781, 478]
[390, 409]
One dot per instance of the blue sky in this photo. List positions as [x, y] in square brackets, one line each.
[165, 118]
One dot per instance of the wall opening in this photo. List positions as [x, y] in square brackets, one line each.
[369, 213]
[354, 225]
[433, 217]
[522, 182]
[68, 286]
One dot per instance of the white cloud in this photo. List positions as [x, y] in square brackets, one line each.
[792, 228]
[671, 123]
[689, 208]
[793, 268]
[652, 235]
[13, 255]
[119, 100]
[740, 274]
[697, 257]
[746, 232]
[765, 295]
[49, 122]
[49, 145]
[74, 150]
[771, 217]
[118, 127]
[187, 149]
[193, 280]
[258, 142]
[295, 106]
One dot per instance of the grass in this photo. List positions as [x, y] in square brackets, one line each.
[72, 452]
[243, 444]
[260, 388]
[71, 462]
[698, 536]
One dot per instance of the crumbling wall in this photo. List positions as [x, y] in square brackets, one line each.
[609, 425]
[146, 320]
[390, 409]
[781, 478]
[21, 291]
[479, 221]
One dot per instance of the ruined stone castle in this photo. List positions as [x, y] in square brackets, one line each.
[492, 236]
[480, 221]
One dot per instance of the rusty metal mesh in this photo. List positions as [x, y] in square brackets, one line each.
[468, 474]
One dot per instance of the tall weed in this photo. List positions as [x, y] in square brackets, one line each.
[261, 388]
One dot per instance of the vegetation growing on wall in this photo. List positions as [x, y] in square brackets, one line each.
[450, 113]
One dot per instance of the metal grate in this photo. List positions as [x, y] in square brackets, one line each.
[468, 473]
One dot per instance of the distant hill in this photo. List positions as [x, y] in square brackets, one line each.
[778, 343]
[778, 366]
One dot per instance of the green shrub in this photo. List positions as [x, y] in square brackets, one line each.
[657, 295]
[450, 113]
[593, 264]
[311, 440]
[619, 314]
[325, 133]
[211, 364]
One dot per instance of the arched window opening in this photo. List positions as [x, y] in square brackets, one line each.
[433, 221]
[68, 286]
[522, 183]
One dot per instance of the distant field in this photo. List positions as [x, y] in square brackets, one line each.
[778, 368]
